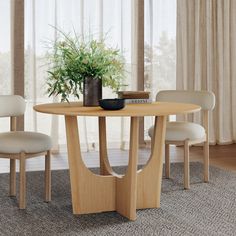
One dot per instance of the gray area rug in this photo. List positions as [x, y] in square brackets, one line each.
[205, 209]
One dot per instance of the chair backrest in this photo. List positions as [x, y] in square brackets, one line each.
[11, 105]
[204, 99]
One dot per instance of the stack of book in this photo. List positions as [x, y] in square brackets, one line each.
[135, 97]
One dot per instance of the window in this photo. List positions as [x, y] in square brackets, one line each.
[160, 49]
[90, 18]
[5, 55]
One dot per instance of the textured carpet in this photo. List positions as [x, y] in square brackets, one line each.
[205, 209]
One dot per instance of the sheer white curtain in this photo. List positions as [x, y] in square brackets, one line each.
[206, 49]
[5, 55]
[96, 18]
[160, 48]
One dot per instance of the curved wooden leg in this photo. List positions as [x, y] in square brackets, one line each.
[186, 165]
[206, 161]
[47, 177]
[22, 201]
[167, 161]
[97, 193]
[90, 193]
[73, 147]
[126, 187]
[105, 168]
[12, 177]
[150, 178]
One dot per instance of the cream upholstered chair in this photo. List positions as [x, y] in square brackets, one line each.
[187, 133]
[21, 145]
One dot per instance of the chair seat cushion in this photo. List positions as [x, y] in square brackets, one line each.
[21, 141]
[180, 131]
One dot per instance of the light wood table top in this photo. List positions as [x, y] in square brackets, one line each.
[152, 109]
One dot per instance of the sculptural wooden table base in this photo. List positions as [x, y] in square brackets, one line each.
[109, 191]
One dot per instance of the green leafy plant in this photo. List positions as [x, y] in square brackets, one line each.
[72, 60]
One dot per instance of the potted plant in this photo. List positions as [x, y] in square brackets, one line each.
[83, 67]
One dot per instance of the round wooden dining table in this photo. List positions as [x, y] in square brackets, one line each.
[109, 191]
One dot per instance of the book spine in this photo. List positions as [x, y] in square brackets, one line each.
[134, 96]
[138, 101]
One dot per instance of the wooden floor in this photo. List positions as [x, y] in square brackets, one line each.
[220, 156]
[223, 156]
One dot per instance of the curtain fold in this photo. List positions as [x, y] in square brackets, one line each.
[6, 15]
[206, 53]
[6, 81]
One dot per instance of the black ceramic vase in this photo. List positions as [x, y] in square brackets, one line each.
[92, 91]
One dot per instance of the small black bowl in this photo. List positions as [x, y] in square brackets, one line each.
[112, 103]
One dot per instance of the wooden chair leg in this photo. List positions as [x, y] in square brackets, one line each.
[206, 161]
[12, 191]
[47, 177]
[186, 165]
[22, 202]
[167, 161]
